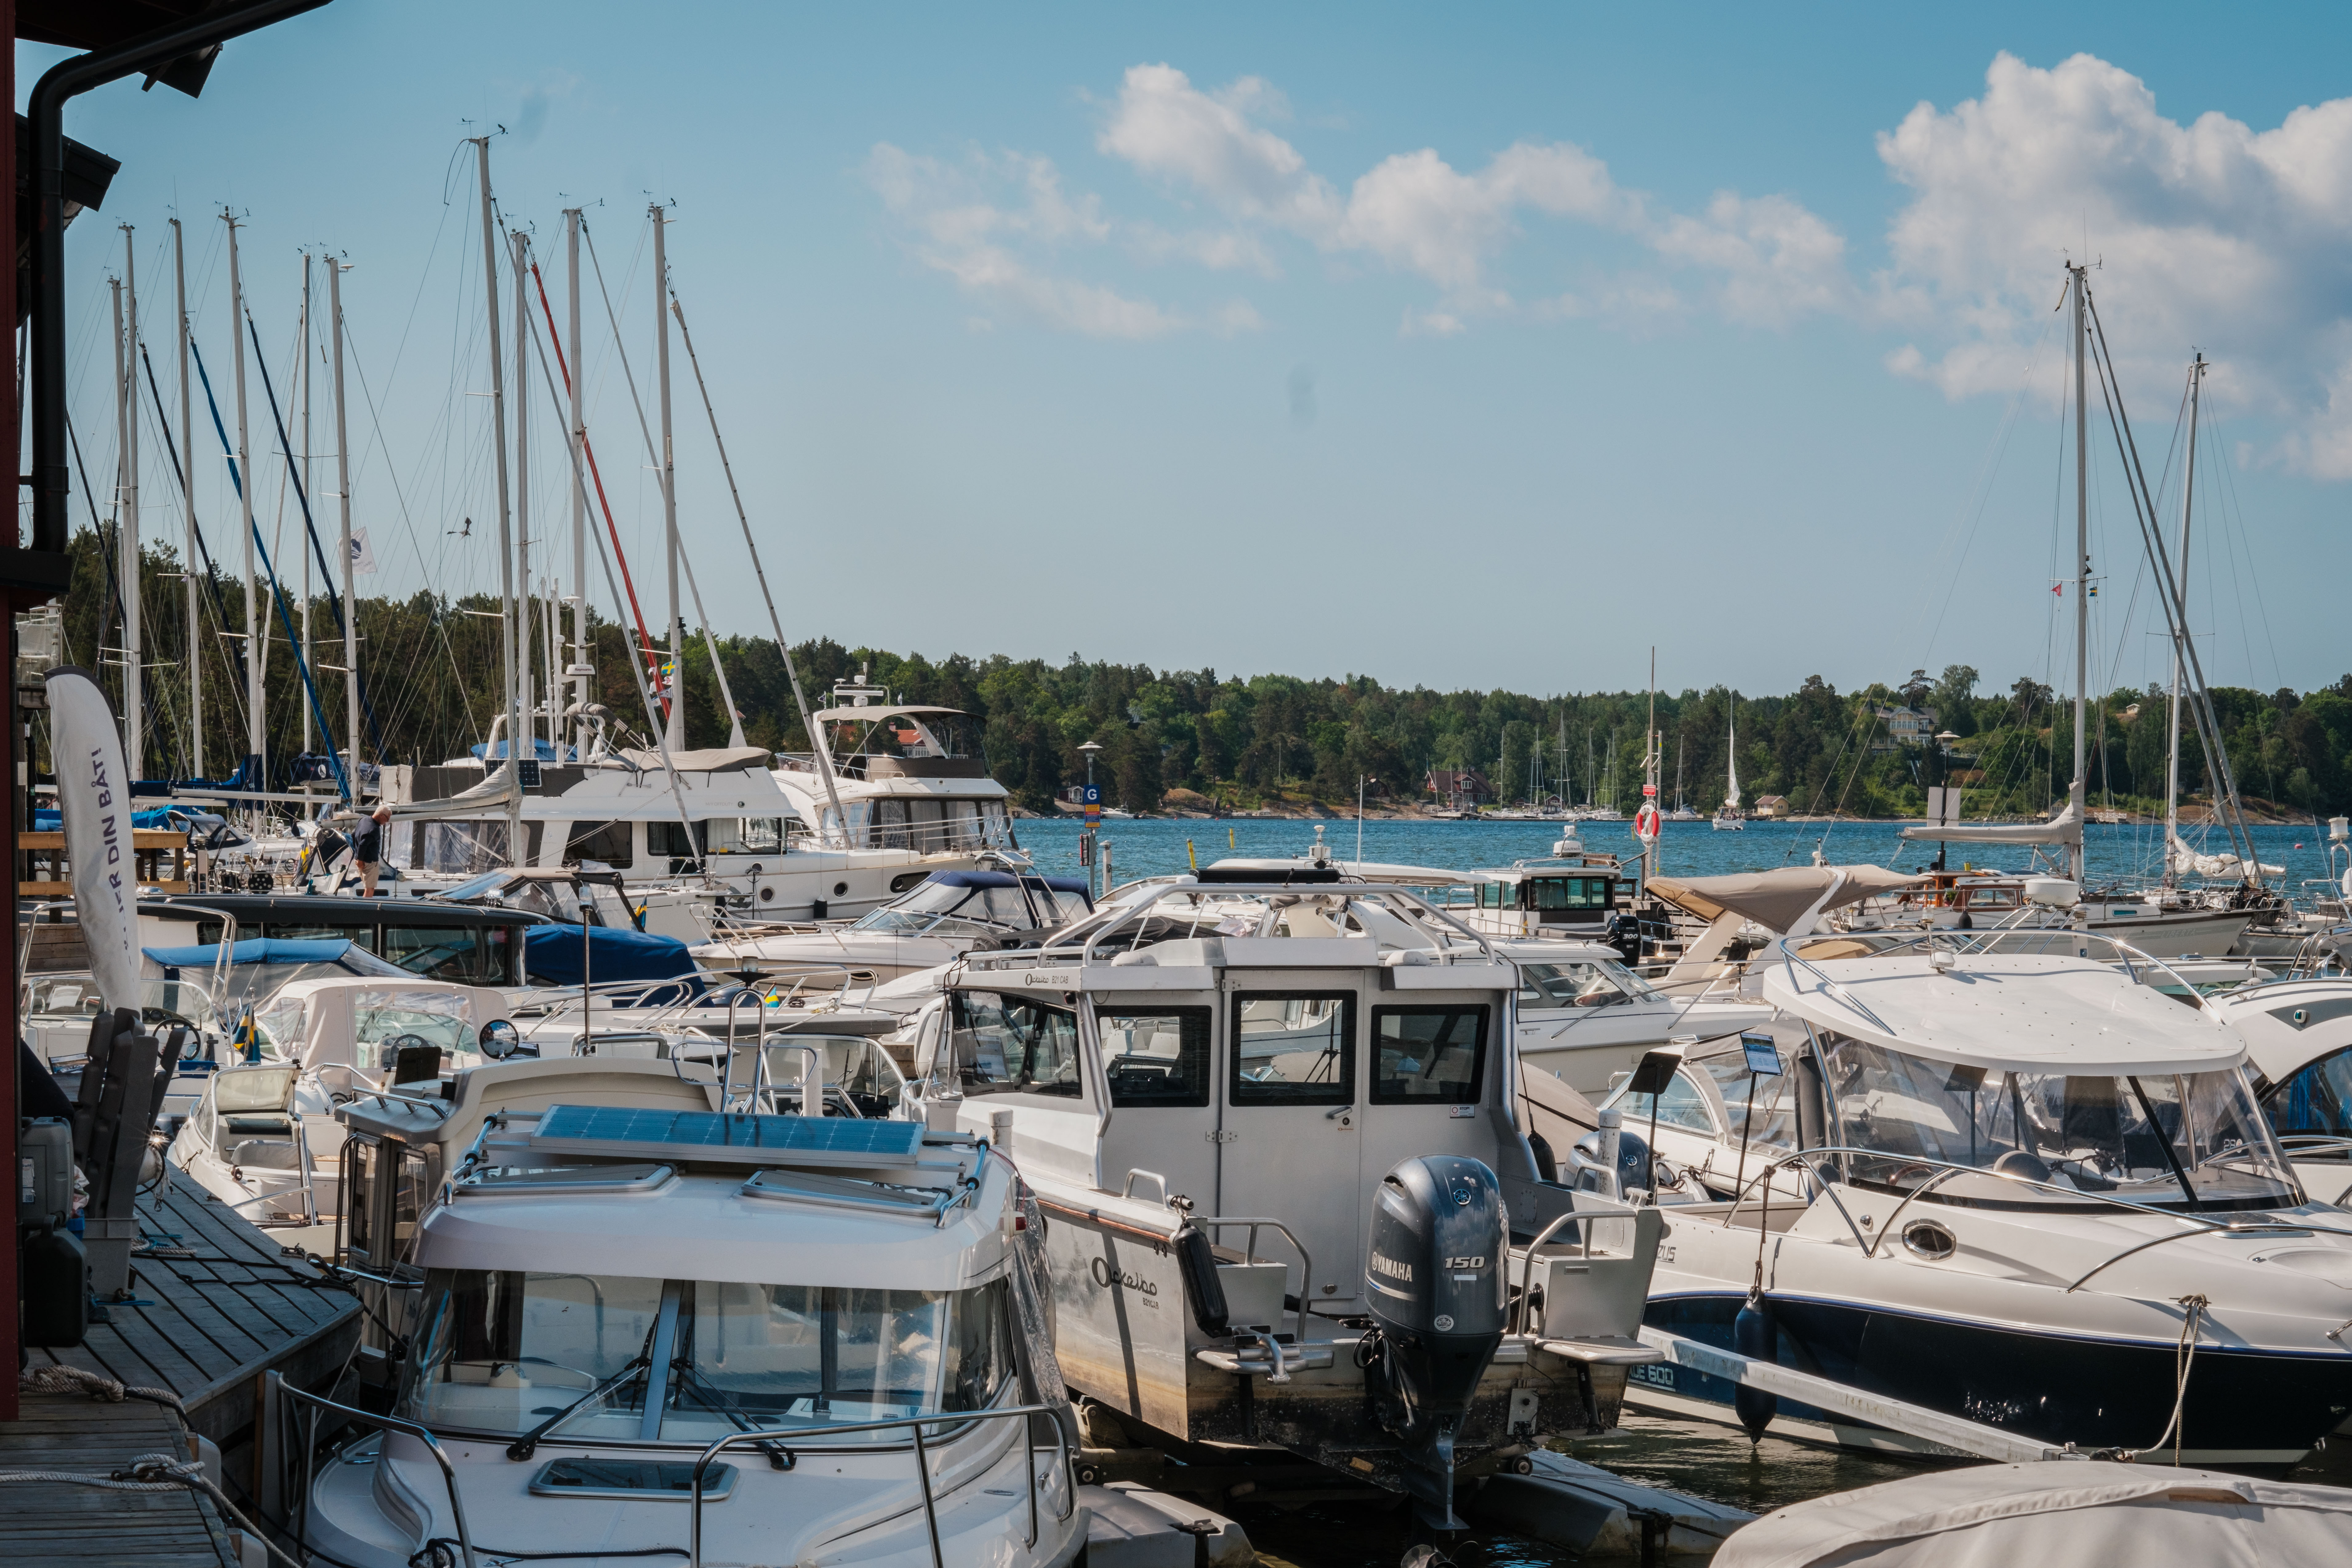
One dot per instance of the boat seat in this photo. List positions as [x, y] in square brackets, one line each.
[263, 1154]
[272, 1126]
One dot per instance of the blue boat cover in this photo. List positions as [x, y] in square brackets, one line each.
[545, 751]
[550, 955]
[48, 820]
[1005, 880]
[255, 950]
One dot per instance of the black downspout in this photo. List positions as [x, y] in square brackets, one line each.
[43, 565]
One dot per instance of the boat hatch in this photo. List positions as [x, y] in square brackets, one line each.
[727, 1138]
[630, 1481]
[846, 1192]
[537, 1181]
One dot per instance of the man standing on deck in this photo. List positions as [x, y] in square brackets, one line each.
[367, 849]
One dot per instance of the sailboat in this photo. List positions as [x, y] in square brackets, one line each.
[1728, 818]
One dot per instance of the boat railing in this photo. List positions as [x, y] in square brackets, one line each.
[1410, 905]
[1944, 1170]
[315, 1407]
[1984, 942]
[767, 1438]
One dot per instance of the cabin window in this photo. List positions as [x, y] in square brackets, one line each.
[469, 847]
[1491, 895]
[1568, 892]
[608, 843]
[744, 835]
[2316, 1102]
[1428, 1056]
[413, 1181]
[1159, 1057]
[1580, 982]
[286, 930]
[1681, 1104]
[1294, 1048]
[457, 953]
[360, 1161]
[1010, 1044]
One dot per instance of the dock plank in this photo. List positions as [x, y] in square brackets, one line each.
[78, 1527]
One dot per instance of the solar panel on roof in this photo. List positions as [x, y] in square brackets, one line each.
[712, 1137]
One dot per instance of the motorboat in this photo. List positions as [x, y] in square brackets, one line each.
[747, 1338]
[2035, 1193]
[899, 776]
[1573, 894]
[1586, 1019]
[1277, 1131]
[1973, 900]
[2055, 1510]
[2298, 1034]
[941, 918]
[474, 943]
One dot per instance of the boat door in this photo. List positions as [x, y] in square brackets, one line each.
[1289, 1095]
[1430, 1058]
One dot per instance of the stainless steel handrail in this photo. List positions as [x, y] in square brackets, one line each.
[913, 1424]
[381, 1424]
[1249, 1251]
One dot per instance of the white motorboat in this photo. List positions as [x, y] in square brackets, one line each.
[1587, 1019]
[2034, 1192]
[1276, 1128]
[898, 777]
[2298, 1034]
[741, 1339]
[941, 918]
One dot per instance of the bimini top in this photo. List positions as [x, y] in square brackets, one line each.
[868, 715]
[2029, 1013]
[354, 958]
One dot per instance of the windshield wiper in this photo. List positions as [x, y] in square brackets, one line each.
[523, 1446]
[696, 1382]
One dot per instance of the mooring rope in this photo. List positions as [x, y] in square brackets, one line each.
[2184, 1356]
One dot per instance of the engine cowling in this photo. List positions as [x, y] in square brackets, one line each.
[1436, 1282]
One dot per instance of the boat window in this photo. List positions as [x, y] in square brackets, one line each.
[1568, 892]
[287, 930]
[2316, 1102]
[379, 1019]
[2135, 1137]
[1005, 1045]
[1159, 1057]
[1294, 1048]
[1774, 1119]
[796, 1357]
[1681, 1104]
[467, 848]
[608, 843]
[1492, 895]
[1580, 982]
[501, 1352]
[462, 954]
[360, 1160]
[413, 1181]
[743, 835]
[1428, 1056]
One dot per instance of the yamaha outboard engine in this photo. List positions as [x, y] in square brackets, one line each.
[1436, 1285]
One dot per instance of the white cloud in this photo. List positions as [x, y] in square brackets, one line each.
[1171, 130]
[2209, 234]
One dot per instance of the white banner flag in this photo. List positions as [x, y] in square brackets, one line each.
[94, 799]
[363, 558]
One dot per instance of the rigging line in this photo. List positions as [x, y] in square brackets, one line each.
[276, 596]
[645, 694]
[2208, 719]
[2234, 509]
[652, 657]
[106, 551]
[180, 472]
[589, 448]
[400, 498]
[326, 572]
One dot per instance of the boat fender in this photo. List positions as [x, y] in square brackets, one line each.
[1546, 1166]
[1755, 1335]
[1204, 1293]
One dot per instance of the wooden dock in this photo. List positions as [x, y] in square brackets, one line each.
[215, 1305]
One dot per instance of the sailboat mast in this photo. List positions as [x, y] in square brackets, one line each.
[676, 629]
[122, 483]
[335, 270]
[135, 696]
[309, 655]
[2076, 794]
[582, 693]
[188, 514]
[250, 770]
[522, 603]
[506, 517]
[2181, 618]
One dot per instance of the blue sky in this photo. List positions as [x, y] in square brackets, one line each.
[1468, 347]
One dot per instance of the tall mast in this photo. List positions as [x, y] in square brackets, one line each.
[2181, 618]
[309, 655]
[582, 693]
[2076, 794]
[677, 737]
[506, 516]
[126, 533]
[251, 769]
[188, 514]
[335, 270]
[121, 487]
[522, 510]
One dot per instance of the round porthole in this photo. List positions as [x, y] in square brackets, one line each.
[1930, 1240]
[767, 895]
[839, 888]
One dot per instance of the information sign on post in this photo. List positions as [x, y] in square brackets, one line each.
[1092, 799]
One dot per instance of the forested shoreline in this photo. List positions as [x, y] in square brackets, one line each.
[431, 669]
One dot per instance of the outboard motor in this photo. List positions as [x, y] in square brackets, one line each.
[1437, 1286]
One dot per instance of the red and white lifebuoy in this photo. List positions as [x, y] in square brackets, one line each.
[1645, 821]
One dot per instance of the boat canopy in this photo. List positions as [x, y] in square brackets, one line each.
[2066, 828]
[871, 715]
[1006, 879]
[1775, 900]
[2021, 1013]
[709, 760]
[278, 949]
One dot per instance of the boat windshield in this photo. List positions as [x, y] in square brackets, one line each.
[503, 1353]
[2175, 1140]
[1581, 983]
[953, 908]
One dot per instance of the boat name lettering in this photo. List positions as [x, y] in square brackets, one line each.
[1105, 1277]
[1391, 1268]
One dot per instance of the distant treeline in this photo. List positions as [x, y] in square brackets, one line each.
[432, 664]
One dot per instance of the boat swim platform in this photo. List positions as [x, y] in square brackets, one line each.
[215, 1306]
